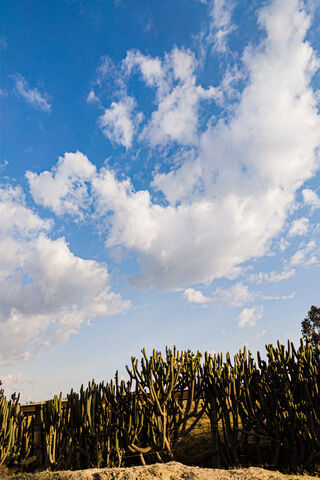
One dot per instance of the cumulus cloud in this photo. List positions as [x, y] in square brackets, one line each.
[64, 189]
[246, 167]
[180, 185]
[236, 295]
[311, 198]
[33, 96]
[195, 296]
[250, 316]
[151, 68]
[176, 118]
[299, 227]
[177, 95]
[46, 292]
[250, 167]
[119, 122]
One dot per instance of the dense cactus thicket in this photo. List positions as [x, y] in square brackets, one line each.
[265, 413]
[262, 412]
[15, 432]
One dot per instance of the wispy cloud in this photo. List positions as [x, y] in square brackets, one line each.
[250, 316]
[272, 277]
[259, 334]
[32, 96]
[237, 295]
[307, 254]
[119, 122]
[279, 297]
[221, 25]
[299, 227]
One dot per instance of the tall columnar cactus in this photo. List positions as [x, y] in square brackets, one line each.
[15, 432]
[260, 412]
[160, 384]
[292, 402]
[226, 386]
[56, 438]
[268, 412]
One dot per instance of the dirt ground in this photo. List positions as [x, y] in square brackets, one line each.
[160, 471]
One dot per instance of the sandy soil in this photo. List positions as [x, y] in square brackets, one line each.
[168, 471]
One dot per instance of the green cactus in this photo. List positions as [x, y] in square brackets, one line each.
[15, 432]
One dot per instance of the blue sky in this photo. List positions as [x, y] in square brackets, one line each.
[159, 182]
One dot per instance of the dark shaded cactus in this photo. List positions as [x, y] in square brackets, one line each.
[160, 384]
[264, 412]
[15, 432]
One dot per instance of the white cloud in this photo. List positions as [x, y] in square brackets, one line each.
[64, 189]
[221, 26]
[182, 184]
[272, 277]
[11, 381]
[283, 244]
[119, 123]
[134, 223]
[299, 227]
[259, 334]
[307, 255]
[278, 297]
[236, 295]
[248, 165]
[150, 68]
[92, 97]
[177, 95]
[46, 292]
[250, 316]
[183, 64]
[195, 296]
[176, 118]
[311, 198]
[17, 384]
[33, 96]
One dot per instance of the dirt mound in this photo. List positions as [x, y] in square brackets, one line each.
[167, 471]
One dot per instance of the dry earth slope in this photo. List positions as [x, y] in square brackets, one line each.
[167, 471]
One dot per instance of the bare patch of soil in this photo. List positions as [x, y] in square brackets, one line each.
[160, 471]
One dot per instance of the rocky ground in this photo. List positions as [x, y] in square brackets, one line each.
[167, 471]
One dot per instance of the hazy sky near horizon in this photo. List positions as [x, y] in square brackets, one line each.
[159, 182]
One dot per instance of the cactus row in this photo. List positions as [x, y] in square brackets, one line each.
[265, 412]
[15, 432]
[260, 411]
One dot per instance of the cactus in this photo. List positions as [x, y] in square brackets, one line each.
[15, 432]
[161, 383]
[264, 411]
